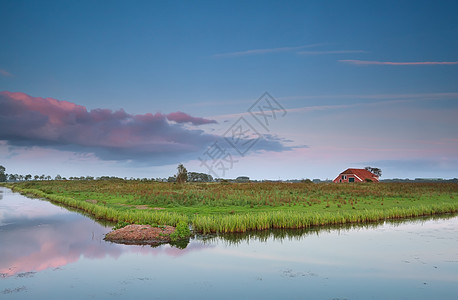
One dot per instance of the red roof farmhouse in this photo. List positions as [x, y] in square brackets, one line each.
[356, 175]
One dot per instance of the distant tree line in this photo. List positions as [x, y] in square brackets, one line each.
[183, 176]
[453, 180]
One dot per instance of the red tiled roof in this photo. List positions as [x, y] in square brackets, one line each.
[361, 173]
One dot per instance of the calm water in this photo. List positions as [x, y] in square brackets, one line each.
[49, 252]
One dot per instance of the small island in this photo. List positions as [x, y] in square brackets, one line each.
[141, 235]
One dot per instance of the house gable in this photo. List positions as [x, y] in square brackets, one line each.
[356, 175]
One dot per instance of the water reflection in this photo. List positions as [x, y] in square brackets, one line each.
[280, 235]
[49, 252]
[36, 235]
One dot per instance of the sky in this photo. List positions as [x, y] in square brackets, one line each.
[264, 89]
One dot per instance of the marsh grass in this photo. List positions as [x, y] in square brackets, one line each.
[224, 208]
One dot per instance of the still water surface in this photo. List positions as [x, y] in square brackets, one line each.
[49, 252]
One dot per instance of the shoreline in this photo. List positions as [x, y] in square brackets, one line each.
[225, 223]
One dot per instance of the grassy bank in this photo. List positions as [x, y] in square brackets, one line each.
[242, 207]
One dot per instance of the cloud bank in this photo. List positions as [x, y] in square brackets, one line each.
[157, 139]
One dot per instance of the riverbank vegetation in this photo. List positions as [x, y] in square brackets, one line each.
[240, 207]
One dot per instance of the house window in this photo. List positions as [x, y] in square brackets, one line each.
[344, 177]
[351, 179]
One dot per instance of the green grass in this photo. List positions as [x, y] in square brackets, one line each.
[215, 207]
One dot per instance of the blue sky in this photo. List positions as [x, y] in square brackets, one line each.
[362, 83]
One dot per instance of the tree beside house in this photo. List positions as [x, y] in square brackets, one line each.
[356, 175]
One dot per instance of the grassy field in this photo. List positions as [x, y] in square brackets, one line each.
[240, 207]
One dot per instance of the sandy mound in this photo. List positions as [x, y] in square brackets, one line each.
[140, 235]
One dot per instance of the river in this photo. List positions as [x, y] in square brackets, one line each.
[47, 251]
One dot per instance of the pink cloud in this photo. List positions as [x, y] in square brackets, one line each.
[110, 135]
[32, 121]
[57, 111]
[369, 62]
[181, 117]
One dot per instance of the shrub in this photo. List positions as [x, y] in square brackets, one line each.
[181, 231]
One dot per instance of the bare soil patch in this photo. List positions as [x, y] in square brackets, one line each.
[140, 235]
[144, 206]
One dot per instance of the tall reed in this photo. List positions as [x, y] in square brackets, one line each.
[293, 219]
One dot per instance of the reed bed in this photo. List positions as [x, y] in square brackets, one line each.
[295, 220]
[227, 208]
